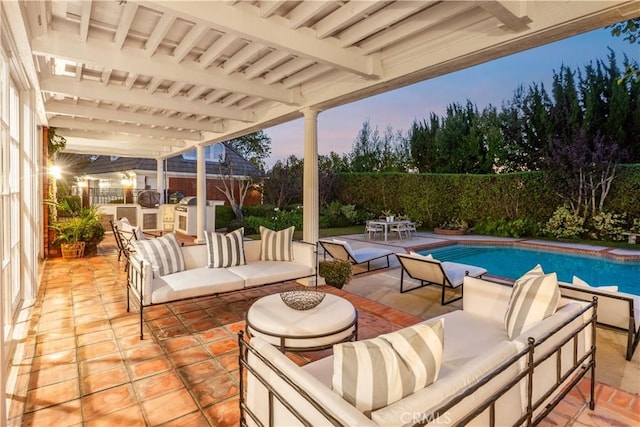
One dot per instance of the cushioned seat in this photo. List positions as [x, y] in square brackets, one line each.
[193, 283]
[339, 249]
[261, 272]
[430, 271]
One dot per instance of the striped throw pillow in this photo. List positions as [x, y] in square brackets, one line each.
[225, 250]
[374, 373]
[276, 245]
[535, 296]
[163, 253]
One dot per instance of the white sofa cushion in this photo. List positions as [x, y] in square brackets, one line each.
[194, 282]
[264, 272]
[582, 284]
[535, 296]
[225, 250]
[371, 374]
[163, 253]
[276, 245]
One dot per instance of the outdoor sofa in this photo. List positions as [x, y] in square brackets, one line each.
[197, 276]
[485, 377]
[617, 310]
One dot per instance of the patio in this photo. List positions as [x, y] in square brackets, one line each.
[82, 362]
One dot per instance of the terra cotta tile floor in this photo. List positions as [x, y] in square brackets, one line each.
[84, 364]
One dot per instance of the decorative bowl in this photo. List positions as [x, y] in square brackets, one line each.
[302, 299]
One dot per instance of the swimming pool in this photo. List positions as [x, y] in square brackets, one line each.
[513, 262]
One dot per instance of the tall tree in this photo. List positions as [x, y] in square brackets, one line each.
[461, 148]
[630, 31]
[283, 185]
[422, 143]
[255, 147]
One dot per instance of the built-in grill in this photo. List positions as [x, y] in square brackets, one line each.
[185, 215]
[185, 202]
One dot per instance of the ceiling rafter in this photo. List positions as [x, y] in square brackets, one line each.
[269, 7]
[124, 24]
[87, 89]
[244, 21]
[347, 15]
[189, 41]
[237, 60]
[267, 61]
[103, 54]
[418, 23]
[147, 119]
[287, 69]
[390, 15]
[306, 11]
[85, 18]
[502, 11]
[214, 51]
[159, 32]
[125, 140]
[102, 126]
[90, 143]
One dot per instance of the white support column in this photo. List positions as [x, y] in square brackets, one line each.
[160, 179]
[311, 209]
[201, 194]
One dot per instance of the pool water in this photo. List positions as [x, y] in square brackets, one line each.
[513, 262]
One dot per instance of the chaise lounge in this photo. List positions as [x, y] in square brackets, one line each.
[430, 271]
[340, 249]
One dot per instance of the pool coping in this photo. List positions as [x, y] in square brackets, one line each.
[574, 248]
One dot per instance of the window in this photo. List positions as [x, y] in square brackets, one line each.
[212, 154]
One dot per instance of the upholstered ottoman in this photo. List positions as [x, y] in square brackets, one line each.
[334, 320]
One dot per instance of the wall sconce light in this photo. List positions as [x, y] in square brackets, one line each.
[55, 171]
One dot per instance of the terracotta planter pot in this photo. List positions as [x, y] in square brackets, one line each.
[449, 232]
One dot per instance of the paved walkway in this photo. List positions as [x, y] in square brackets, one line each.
[83, 363]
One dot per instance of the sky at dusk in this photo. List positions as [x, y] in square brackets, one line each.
[483, 84]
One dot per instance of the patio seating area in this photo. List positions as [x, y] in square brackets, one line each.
[83, 361]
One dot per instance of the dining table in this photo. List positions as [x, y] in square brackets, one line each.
[388, 224]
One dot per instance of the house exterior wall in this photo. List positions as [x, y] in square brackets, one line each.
[187, 186]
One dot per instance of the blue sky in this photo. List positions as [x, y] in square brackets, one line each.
[483, 84]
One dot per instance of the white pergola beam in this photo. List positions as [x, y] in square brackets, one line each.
[265, 63]
[273, 32]
[94, 143]
[85, 18]
[307, 10]
[269, 7]
[124, 24]
[120, 95]
[158, 33]
[214, 51]
[504, 12]
[99, 126]
[345, 16]
[237, 60]
[418, 23]
[134, 60]
[189, 41]
[381, 19]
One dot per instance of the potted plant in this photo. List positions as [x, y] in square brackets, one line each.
[79, 233]
[336, 272]
[454, 226]
[389, 216]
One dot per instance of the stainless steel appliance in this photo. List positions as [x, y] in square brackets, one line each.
[185, 216]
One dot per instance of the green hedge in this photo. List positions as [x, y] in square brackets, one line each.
[435, 198]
